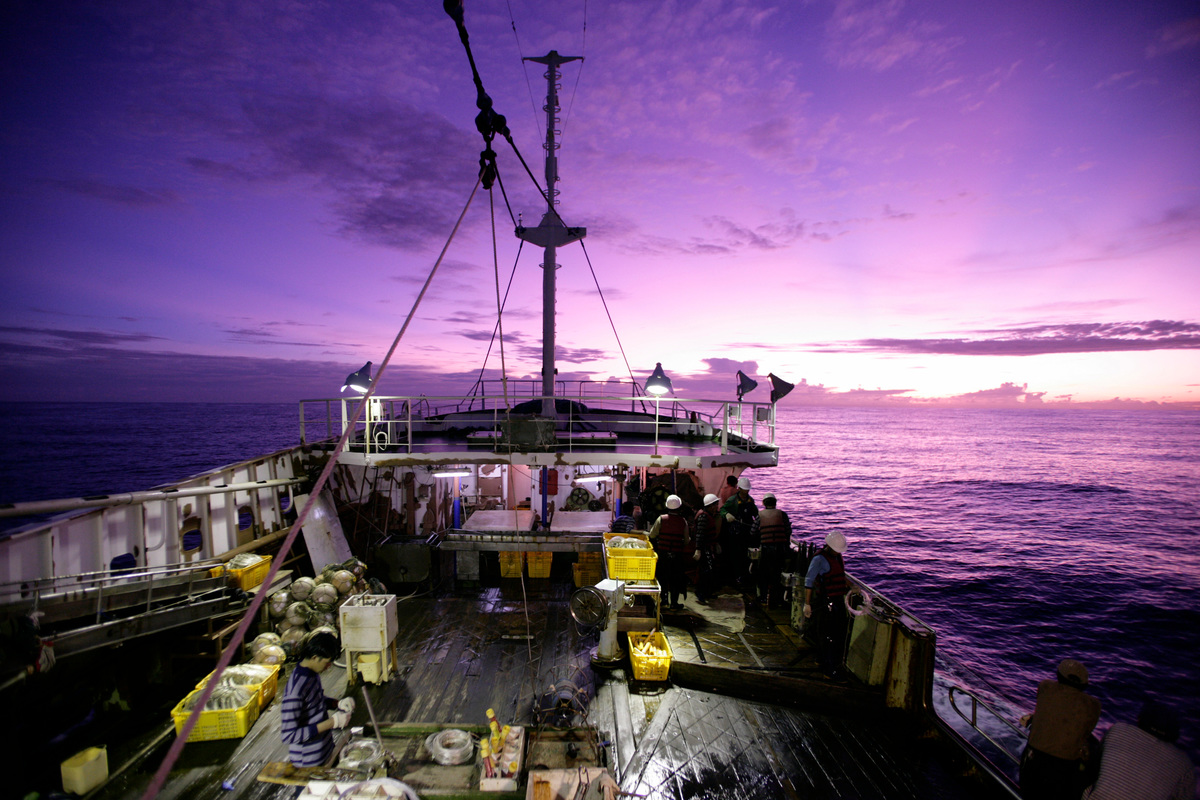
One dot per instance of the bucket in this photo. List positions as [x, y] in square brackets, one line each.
[85, 770]
[368, 667]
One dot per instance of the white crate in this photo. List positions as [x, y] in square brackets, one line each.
[368, 622]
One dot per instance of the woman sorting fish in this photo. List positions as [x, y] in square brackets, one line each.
[308, 717]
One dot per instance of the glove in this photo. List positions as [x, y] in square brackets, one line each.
[717, 549]
[696, 556]
[340, 719]
[346, 704]
[729, 517]
[807, 611]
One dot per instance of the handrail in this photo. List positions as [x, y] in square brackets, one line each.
[973, 720]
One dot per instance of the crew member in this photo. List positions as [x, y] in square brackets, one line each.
[705, 527]
[739, 513]
[825, 588]
[672, 541]
[307, 717]
[771, 533]
[1143, 763]
[1055, 760]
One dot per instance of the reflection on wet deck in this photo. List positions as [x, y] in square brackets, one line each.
[502, 648]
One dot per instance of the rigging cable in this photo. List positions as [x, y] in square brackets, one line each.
[611, 324]
[164, 769]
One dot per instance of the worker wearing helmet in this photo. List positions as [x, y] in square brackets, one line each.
[1055, 760]
[825, 588]
[704, 534]
[738, 514]
[672, 540]
[771, 533]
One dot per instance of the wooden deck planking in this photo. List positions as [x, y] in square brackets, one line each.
[459, 655]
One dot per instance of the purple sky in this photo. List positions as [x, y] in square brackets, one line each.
[992, 202]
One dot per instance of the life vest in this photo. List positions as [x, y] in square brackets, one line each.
[833, 583]
[672, 533]
[773, 527]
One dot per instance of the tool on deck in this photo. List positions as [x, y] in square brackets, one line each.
[374, 722]
[228, 785]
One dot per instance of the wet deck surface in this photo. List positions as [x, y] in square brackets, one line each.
[503, 647]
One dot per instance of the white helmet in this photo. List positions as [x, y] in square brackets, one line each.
[836, 542]
[673, 501]
[744, 483]
[709, 499]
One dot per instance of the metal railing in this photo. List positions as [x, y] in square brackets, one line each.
[389, 423]
[973, 720]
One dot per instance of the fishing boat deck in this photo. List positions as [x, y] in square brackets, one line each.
[503, 647]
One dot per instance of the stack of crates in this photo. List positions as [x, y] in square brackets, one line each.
[539, 563]
[588, 569]
[511, 563]
[630, 563]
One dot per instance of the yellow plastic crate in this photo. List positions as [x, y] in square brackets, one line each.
[232, 723]
[266, 689]
[539, 563]
[246, 577]
[511, 562]
[646, 667]
[588, 574]
[628, 563]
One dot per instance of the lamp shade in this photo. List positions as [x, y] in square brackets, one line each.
[779, 387]
[746, 384]
[359, 381]
[658, 382]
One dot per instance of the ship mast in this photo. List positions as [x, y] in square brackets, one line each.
[551, 233]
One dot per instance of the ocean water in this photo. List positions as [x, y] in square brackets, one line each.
[1021, 537]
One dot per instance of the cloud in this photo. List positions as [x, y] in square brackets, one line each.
[1035, 340]
[875, 35]
[1174, 37]
[112, 193]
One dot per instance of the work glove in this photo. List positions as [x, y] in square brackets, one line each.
[729, 517]
[807, 611]
[346, 704]
[696, 556]
[340, 719]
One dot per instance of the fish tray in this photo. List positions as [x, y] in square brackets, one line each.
[539, 563]
[629, 563]
[649, 668]
[225, 723]
[511, 562]
[246, 577]
[266, 688]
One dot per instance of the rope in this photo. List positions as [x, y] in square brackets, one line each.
[164, 769]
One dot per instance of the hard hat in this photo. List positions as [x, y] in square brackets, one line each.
[768, 496]
[836, 542]
[673, 501]
[1072, 672]
[744, 483]
[709, 499]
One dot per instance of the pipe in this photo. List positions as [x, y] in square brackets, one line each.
[132, 498]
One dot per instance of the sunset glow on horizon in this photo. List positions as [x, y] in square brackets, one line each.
[993, 204]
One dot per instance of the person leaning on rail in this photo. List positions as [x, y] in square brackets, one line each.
[1142, 762]
[1055, 761]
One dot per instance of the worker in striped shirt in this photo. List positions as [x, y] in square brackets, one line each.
[1143, 763]
[308, 718]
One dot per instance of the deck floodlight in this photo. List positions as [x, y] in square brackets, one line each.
[359, 381]
[746, 384]
[598, 477]
[658, 382]
[779, 387]
[455, 472]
